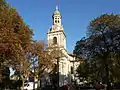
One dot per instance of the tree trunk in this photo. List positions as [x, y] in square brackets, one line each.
[107, 73]
[34, 74]
[22, 85]
[106, 76]
[21, 78]
[57, 73]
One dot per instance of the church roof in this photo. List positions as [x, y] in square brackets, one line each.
[78, 57]
[56, 12]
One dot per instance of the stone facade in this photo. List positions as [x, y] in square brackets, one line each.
[57, 38]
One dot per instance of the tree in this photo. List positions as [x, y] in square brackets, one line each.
[15, 37]
[101, 45]
[83, 71]
[39, 58]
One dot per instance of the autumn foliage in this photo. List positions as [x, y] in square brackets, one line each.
[17, 48]
[15, 36]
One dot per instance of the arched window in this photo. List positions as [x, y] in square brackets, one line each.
[55, 40]
[72, 70]
[55, 21]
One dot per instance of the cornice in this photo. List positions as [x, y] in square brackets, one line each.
[56, 32]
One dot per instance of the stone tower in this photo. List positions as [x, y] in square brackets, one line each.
[56, 35]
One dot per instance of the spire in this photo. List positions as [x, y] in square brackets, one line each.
[57, 4]
[56, 17]
[56, 12]
[57, 7]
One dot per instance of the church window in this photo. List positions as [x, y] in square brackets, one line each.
[58, 21]
[72, 70]
[55, 40]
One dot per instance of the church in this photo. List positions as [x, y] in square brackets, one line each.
[56, 39]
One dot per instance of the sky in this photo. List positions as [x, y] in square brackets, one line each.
[76, 15]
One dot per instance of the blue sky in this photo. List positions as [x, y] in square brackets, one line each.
[76, 15]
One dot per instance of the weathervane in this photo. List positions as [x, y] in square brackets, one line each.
[57, 4]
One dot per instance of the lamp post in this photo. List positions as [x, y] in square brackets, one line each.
[57, 72]
[74, 67]
[63, 71]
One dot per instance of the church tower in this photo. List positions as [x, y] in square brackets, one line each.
[56, 39]
[56, 35]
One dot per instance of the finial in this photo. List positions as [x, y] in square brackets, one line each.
[56, 7]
